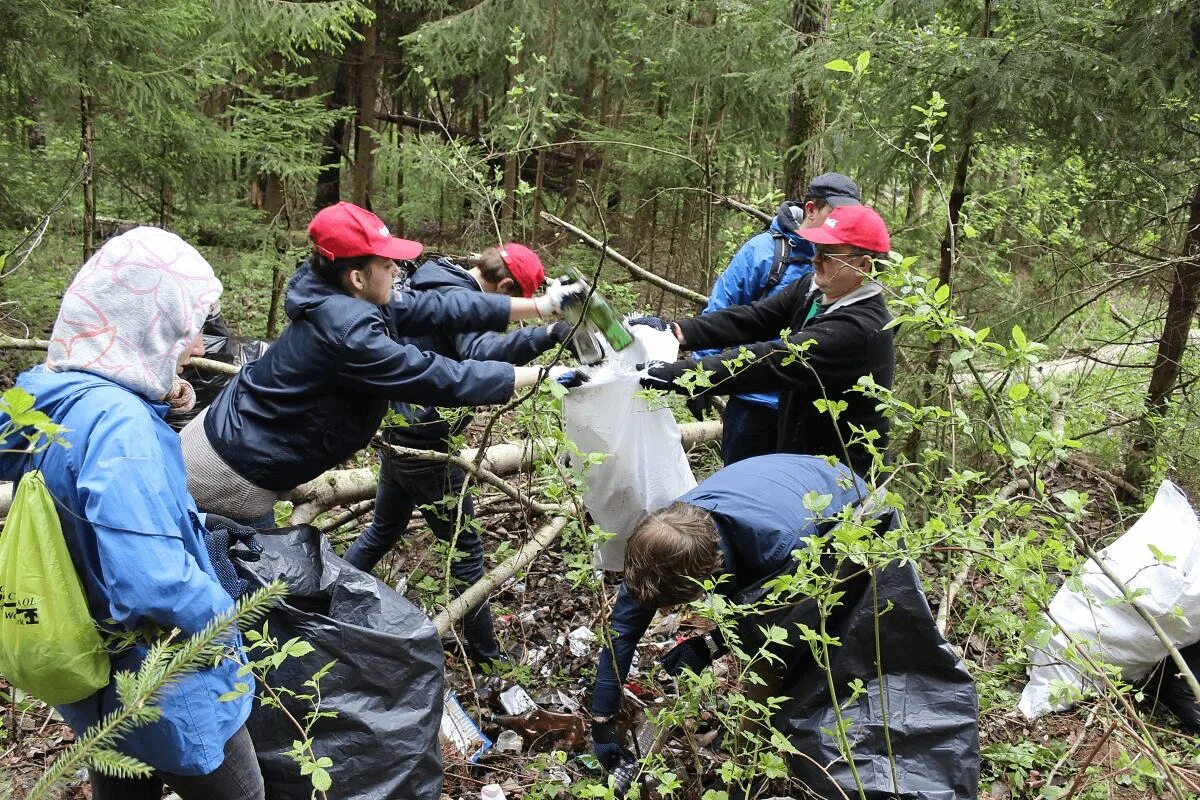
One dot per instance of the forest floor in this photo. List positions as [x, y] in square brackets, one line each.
[542, 617]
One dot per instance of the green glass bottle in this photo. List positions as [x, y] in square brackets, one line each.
[600, 314]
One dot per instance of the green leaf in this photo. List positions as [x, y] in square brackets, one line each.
[864, 58]
[1018, 392]
[839, 65]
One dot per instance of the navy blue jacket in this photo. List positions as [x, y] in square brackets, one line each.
[426, 427]
[758, 509]
[319, 393]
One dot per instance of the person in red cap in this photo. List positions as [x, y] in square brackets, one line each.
[321, 390]
[837, 318]
[435, 486]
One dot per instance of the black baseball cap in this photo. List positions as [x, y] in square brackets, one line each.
[834, 188]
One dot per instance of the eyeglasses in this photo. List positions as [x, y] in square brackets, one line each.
[822, 255]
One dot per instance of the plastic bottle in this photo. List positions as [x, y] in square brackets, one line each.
[606, 321]
[492, 791]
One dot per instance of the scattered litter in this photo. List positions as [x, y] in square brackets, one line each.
[581, 641]
[564, 731]
[492, 791]
[516, 701]
[460, 730]
[666, 626]
[569, 703]
[535, 656]
[508, 742]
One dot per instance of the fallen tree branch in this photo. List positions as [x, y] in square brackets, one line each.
[339, 487]
[481, 473]
[745, 208]
[354, 512]
[457, 608]
[638, 272]
[205, 364]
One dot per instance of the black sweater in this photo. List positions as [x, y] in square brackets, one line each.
[843, 344]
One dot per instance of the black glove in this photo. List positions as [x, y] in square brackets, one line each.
[662, 375]
[221, 535]
[658, 323]
[606, 746]
[559, 331]
[699, 407]
[567, 377]
[572, 379]
[695, 654]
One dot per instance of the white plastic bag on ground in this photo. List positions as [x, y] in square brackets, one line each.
[1167, 587]
[646, 468]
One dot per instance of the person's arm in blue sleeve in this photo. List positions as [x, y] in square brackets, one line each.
[130, 498]
[378, 363]
[735, 286]
[517, 347]
[629, 623]
[416, 313]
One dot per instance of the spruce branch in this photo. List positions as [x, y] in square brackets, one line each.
[164, 663]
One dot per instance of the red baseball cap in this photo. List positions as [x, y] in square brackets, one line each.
[855, 225]
[525, 266]
[345, 230]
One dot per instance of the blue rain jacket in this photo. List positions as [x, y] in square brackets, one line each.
[743, 281]
[758, 508]
[137, 545]
[319, 393]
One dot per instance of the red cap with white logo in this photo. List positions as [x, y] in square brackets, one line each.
[854, 225]
[525, 266]
[345, 230]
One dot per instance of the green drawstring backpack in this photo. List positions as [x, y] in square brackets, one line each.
[49, 645]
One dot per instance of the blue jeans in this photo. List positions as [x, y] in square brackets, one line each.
[750, 429]
[405, 484]
[238, 778]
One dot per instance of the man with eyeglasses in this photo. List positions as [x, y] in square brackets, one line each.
[836, 323]
[764, 266]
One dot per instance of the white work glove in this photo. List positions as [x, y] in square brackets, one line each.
[556, 296]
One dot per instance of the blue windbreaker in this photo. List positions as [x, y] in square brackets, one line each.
[137, 545]
[758, 508]
[743, 281]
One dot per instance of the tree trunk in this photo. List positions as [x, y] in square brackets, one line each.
[803, 157]
[1181, 309]
[369, 75]
[329, 182]
[87, 135]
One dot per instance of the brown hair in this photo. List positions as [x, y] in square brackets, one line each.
[491, 265]
[669, 552]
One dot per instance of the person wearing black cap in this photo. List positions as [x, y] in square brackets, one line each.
[839, 333]
[760, 268]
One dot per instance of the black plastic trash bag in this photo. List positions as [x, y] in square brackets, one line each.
[218, 346]
[386, 686]
[932, 710]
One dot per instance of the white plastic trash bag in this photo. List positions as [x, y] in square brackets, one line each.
[646, 468]
[1107, 627]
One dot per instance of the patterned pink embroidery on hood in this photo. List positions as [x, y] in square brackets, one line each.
[132, 309]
